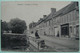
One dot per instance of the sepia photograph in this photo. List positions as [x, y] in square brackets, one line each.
[40, 26]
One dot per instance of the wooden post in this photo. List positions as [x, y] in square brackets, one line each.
[38, 45]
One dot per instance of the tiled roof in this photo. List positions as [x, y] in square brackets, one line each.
[71, 7]
[40, 21]
[57, 13]
[62, 11]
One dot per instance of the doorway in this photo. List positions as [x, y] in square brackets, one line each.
[56, 31]
[65, 30]
[77, 31]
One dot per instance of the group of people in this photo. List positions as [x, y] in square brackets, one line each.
[37, 35]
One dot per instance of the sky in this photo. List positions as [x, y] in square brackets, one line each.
[30, 11]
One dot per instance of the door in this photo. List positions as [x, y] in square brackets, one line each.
[56, 31]
[77, 31]
[71, 35]
[65, 30]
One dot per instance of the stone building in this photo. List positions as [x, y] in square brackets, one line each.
[32, 26]
[62, 23]
[66, 21]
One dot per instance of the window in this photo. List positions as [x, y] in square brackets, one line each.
[77, 3]
[52, 22]
[70, 29]
[58, 21]
[49, 23]
[61, 20]
[67, 18]
[45, 24]
[77, 12]
[72, 15]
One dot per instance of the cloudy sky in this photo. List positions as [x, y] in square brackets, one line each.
[29, 10]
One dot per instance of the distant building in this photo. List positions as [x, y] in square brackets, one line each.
[32, 26]
[63, 23]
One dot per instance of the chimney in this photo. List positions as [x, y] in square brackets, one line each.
[41, 18]
[53, 10]
[44, 16]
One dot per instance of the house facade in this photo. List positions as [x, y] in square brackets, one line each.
[62, 23]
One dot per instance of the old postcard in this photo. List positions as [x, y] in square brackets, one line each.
[40, 26]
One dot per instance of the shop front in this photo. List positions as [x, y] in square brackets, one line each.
[65, 30]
